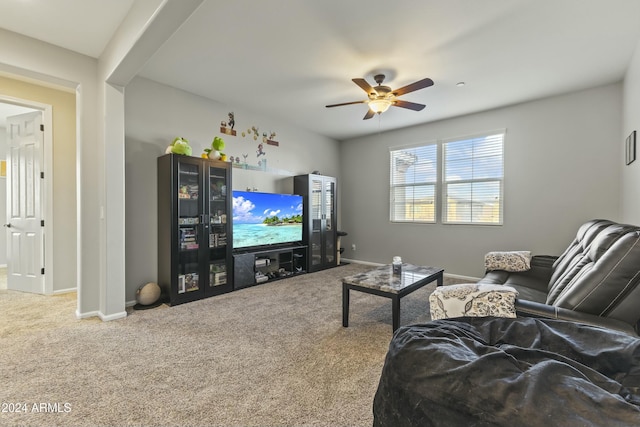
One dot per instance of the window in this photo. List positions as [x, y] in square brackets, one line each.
[414, 175]
[473, 171]
[469, 189]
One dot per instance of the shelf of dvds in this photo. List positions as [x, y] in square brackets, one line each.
[194, 257]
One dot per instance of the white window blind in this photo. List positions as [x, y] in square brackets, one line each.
[473, 172]
[414, 175]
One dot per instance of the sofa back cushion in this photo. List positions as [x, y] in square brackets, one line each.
[570, 263]
[599, 273]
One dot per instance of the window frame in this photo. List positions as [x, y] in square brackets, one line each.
[441, 185]
[445, 184]
[435, 184]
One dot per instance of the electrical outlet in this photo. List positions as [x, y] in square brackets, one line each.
[353, 246]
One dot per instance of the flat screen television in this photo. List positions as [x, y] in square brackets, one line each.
[266, 219]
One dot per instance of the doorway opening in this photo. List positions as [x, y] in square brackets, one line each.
[23, 195]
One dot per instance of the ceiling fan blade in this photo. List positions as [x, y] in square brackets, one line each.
[410, 105]
[365, 86]
[346, 103]
[421, 84]
[369, 114]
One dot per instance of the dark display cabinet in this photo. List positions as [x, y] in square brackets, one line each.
[194, 228]
[319, 216]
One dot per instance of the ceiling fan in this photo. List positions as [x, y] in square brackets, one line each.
[382, 97]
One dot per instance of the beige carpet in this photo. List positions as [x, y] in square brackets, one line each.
[270, 355]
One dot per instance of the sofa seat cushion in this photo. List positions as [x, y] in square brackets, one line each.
[509, 372]
[527, 286]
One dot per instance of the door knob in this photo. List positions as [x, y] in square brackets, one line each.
[8, 225]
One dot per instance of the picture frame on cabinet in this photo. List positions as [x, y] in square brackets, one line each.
[630, 148]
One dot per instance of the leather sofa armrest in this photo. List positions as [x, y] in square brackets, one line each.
[542, 267]
[543, 261]
[527, 308]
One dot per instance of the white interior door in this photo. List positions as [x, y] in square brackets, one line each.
[24, 227]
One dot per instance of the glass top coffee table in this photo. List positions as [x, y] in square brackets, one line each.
[381, 281]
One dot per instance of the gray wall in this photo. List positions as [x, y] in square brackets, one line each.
[562, 167]
[155, 114]
[631, 122]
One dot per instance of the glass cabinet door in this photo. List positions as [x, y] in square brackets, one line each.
[315, 209]
[189, 214]
[320, 219]
[329, 216]
[217, 227]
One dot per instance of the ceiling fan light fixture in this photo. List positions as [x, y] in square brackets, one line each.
[382, 97]
[379, 105]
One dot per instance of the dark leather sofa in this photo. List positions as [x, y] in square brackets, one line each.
[570, 358]
[503, 372]
[595, 281]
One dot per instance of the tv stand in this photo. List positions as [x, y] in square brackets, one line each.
[260, 266]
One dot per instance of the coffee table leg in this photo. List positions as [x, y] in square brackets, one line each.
[440, 280]
[395, 311]
[345, 305]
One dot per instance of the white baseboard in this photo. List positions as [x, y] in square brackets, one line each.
[130, 303]
[86, 315]
[111, 317]
[376, 264]
[356, 261]
[64, 291]
[99, 314]
[457, 276]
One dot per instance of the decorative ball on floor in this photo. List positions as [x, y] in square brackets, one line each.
[148, 296]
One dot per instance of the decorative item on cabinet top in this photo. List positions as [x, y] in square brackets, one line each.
[179, 145]
[215, 152]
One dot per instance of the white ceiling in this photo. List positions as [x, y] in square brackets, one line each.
[287, 59]
[84, 26]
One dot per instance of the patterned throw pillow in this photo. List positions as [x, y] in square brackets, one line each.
[512, 261]
[472, 300]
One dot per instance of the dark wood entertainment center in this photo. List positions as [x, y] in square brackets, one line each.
[318, 250]
[194, 228]
[196, 258]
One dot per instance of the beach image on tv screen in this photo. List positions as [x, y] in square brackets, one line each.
[266, 218]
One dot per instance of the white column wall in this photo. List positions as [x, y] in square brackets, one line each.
[631, 121]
